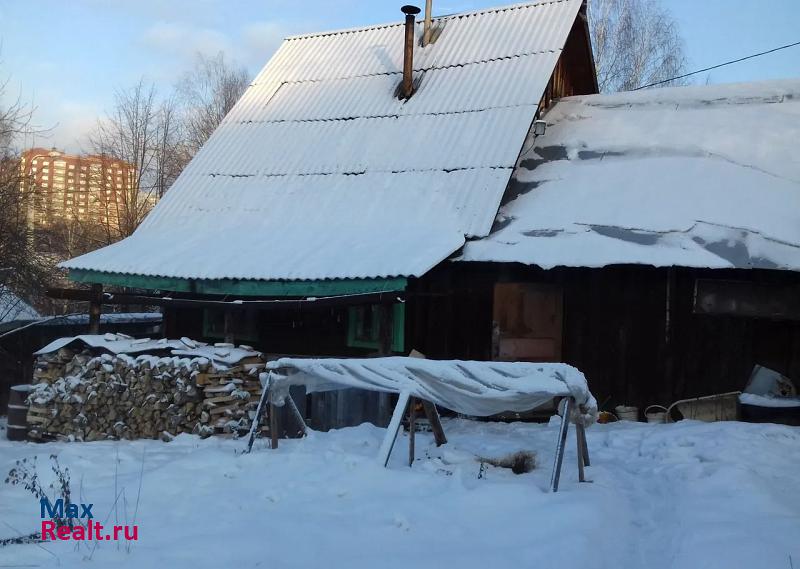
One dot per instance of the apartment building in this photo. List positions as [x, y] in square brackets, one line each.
[69, 188]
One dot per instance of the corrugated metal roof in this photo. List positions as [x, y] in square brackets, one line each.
[692, 176]
[321, 172]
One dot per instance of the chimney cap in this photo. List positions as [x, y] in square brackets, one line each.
[410, 10]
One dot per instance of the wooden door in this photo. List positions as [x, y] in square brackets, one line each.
[527, 322]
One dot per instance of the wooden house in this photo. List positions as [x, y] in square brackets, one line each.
[472, 197]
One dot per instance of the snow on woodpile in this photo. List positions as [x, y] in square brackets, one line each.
[691, 176]
[470, 387]
[108, 386]
[320, 171]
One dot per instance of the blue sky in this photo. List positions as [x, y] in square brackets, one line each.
[68, 57]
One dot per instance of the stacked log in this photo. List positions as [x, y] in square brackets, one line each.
[230, 398]
[80, 395]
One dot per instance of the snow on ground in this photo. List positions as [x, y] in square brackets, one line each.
[684, 495]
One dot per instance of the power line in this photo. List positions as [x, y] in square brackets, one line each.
[719, 65]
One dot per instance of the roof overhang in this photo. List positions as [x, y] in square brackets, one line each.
[242, 287]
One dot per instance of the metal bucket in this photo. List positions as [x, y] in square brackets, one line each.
[18, 413]
[656, 414]
[627, 413]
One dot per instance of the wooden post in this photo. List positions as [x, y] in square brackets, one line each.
[582, 434]
[561, 445]
[257, 419]
[385, 329]
[385, 332]
[298, 417]
[412, 420]
[228, 327]
[436, 423]
[274, 425]
[579, 441]
[94, 308]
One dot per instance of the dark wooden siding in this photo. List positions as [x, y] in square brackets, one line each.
[630, 329]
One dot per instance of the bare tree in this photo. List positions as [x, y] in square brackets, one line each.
[141, 133]
[636, 43]
[208, 92]
[23, 271]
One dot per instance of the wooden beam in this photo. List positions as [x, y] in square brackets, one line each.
[228, 326]
[579, 441]
[584, 446]
[235, 304]
[436, 423]
[262, 404]
[95, 303]
[274, 426]
[243, 287]
[394, 426]
[412, 426]
[561, 444]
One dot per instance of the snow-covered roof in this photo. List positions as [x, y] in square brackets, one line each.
[694, 176]
[471, 387]
[320, 171]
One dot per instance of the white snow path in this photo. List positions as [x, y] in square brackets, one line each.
[687, 495]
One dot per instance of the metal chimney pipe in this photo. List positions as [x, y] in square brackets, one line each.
[426, 30]
[408, 53]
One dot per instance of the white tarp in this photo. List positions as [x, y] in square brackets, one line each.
[469, 387]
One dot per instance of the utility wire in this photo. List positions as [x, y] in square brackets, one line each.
[719, 65]
[40, 321]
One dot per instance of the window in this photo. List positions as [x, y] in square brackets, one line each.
[244, 325]
[363, 327]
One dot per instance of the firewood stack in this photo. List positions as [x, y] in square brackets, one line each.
[230, 398]
[79, 394]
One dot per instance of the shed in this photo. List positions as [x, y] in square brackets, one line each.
[650, 239]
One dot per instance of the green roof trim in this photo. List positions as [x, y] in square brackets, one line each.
[242, 287]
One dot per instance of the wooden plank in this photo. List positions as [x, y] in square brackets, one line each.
[243, 287]
[273, 426]
[579, 441]
[436, 423]
[94, 308]
[394, 426]
[412, 427]
[561, 444]
[584, 446]
[223, 409]
[213, 401]
[257, 419]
